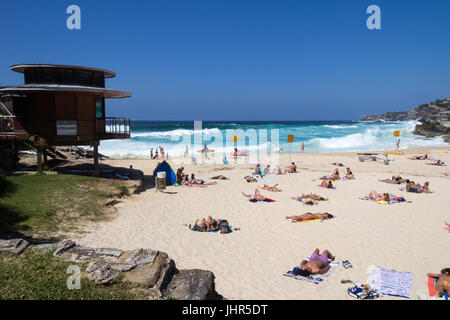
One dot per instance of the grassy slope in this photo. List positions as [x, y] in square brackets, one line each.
[35, 203]
[37, 275]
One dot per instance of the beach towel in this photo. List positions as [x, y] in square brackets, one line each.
[394, 199]
[311, 220]
[334, 188]
[314, 278]
[213, 231]
[266, 200]
[268, 180]
[391, 282]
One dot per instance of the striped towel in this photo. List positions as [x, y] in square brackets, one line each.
[391, 282]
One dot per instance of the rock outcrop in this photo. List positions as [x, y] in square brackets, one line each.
[434, 118]
[153, 272]
[192, 285]
[13, 246]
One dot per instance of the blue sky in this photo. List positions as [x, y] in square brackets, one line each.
[242, 59]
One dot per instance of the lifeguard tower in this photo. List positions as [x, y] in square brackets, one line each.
[60, 105]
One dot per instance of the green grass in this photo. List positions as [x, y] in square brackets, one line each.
[37, 275]
[37, 203]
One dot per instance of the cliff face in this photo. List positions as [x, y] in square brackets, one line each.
[434, 118]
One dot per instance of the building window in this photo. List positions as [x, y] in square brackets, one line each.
[30, 76]
[99, 102]
[99, 80]
[45, 76]
[66, 76]
[84, 78]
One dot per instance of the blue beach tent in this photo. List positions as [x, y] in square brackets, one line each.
[171, 177]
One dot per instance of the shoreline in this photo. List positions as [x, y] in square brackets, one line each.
[407, 151]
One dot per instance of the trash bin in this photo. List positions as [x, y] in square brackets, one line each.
[160, 182]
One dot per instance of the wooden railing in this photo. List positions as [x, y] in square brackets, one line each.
[117, 126]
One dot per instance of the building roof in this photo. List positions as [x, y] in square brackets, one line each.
[22, 67]
[55, 88]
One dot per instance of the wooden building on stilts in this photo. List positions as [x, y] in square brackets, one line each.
[60, 105]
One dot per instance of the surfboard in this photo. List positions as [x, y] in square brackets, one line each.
[209, 151]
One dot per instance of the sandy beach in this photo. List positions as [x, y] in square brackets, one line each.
[249, 263]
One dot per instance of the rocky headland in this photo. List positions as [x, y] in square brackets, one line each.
[434, 118]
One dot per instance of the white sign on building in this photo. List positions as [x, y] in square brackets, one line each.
[66, 128]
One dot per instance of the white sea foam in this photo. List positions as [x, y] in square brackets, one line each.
[364, 136]
[340, 127]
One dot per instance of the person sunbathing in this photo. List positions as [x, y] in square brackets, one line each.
[269, 188]
[334, 176]
[337, 164]
[305, 200]
[220, 177]
[310, 216]
[424, 157]
[394, 180]
[205, 225]
[311, 196]
[417, 188]
[292, 168]
[375, 196]
[317, 264]
[436, 163]
[193, 180]
[327, 184]
[447, 227]
[349, 174]
[442, 282]
[255, 197]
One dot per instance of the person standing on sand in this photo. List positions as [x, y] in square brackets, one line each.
[186, 151]
[398, 145]
[151, 154]
[303, 147]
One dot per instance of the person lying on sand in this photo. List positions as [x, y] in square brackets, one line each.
[337, 164]
[417, 188]
[447, 227]
[334, 176]
[193, 180]
[349, 174]
[269, 188]
[327, 184]
[424, 157]
[443, 281]
[375, 196]
[310, 196]
[436, 163]
[205, 225]
[255, 197]
[394, 180]
[310, 216]
[220, 177]
[317, 264]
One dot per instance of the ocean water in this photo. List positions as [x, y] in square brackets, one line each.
[317, 136]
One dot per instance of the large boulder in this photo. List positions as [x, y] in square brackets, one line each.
[13, 246]
[192, 285]
[153, 276]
